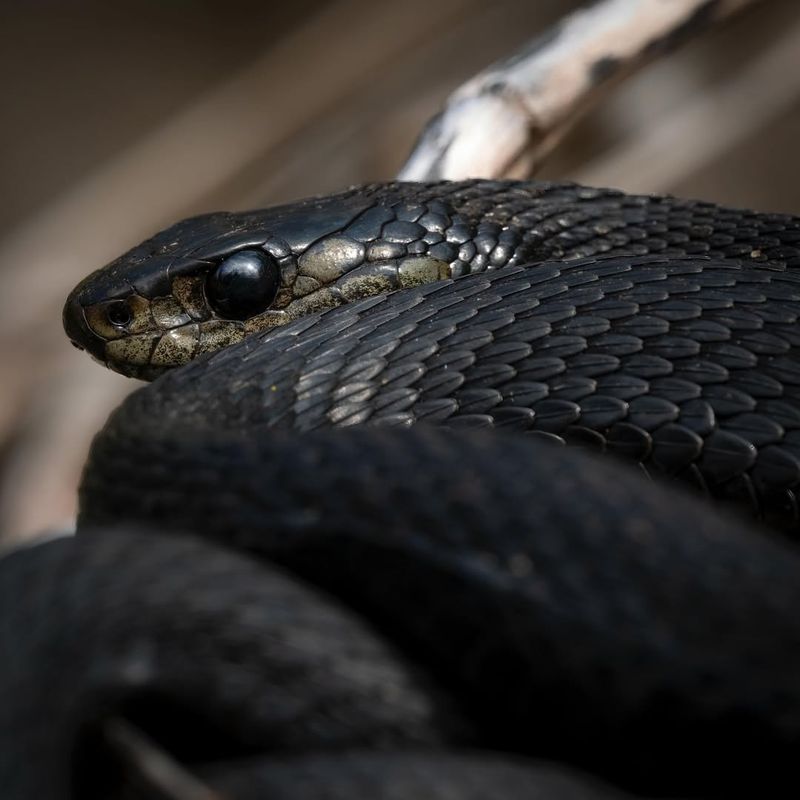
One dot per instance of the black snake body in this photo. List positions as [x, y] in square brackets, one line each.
[537, 601]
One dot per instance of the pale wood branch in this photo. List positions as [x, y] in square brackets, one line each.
[507, 119]
[714, 122]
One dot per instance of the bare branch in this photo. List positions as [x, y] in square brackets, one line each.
[715, 122]
[506, 120]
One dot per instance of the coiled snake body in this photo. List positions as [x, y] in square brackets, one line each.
[495, 594]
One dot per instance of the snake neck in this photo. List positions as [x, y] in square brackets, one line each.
[165, 303]
[480, 225]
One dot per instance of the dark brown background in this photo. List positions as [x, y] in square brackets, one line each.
[119, 118]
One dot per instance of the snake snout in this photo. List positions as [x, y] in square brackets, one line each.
[78, 330]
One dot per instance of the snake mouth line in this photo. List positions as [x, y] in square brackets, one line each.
[149, 353]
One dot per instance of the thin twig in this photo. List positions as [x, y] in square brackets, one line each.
[507, 119]
[715, 122]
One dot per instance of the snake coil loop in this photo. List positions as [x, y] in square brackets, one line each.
[350, 547]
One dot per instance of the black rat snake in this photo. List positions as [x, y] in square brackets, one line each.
[498, 598]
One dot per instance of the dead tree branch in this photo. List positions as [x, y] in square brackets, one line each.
[507, 119]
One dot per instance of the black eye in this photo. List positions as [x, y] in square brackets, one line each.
[118, 313]
[243, 285]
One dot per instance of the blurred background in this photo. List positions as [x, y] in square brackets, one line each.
[120, 118]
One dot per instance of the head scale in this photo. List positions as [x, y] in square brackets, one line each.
[209, 281]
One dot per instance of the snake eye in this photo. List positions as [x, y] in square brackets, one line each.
[118, 313]
[243, 285]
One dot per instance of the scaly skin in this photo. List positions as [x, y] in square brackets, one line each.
[569, 608]
[379, 238]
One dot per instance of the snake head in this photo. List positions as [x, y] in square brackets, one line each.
[209, 281]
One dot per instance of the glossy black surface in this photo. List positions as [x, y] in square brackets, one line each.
[244, 284]
[487, 585]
